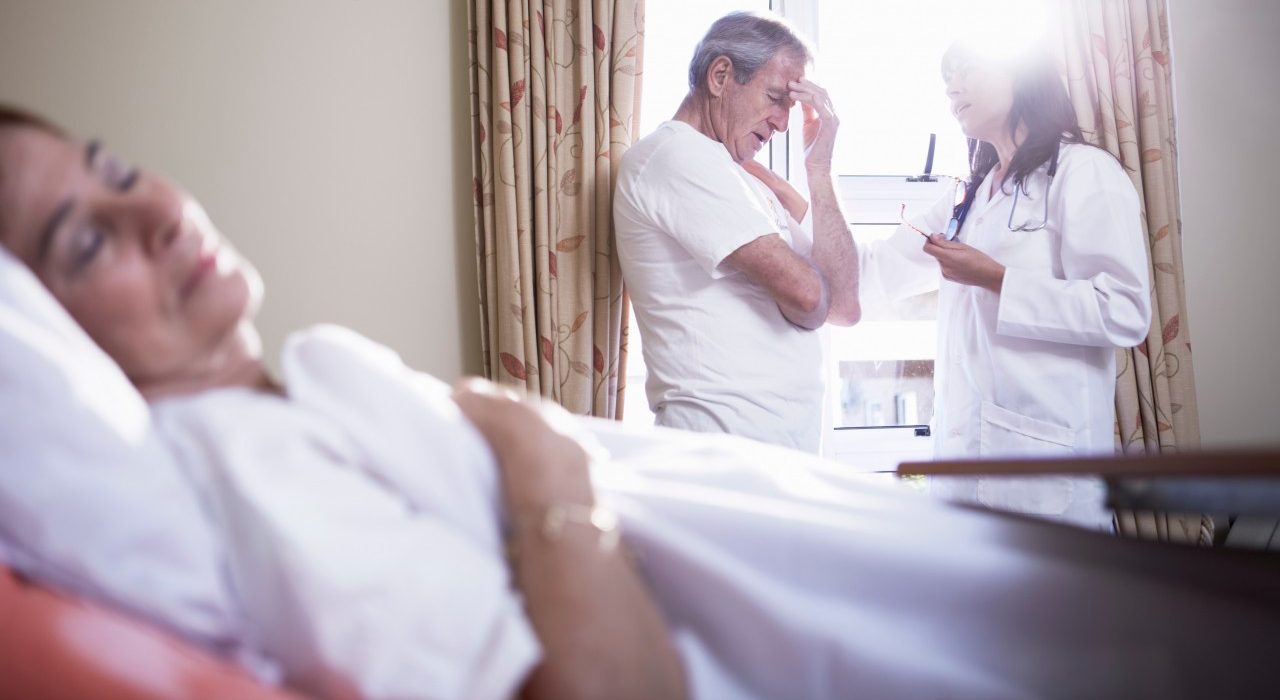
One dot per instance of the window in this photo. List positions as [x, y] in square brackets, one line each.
[880, 371]
[880, 61]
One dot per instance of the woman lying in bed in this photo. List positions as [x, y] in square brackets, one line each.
[143, 271]
[388, 537]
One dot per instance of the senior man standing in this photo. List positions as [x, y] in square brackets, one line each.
[728, 283]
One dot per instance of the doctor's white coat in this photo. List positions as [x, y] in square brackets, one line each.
[1031, 370]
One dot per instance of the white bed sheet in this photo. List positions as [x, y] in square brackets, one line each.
[780, 575]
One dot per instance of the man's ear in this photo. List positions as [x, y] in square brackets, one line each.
[719, 73]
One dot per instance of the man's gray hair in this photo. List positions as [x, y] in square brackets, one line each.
[749, 40]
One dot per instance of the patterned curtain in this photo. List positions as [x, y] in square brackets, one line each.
[555, 91]
[1117, 63]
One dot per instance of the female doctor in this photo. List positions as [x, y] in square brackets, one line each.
[1041, 267]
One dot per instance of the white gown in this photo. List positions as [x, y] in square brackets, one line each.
[363, 526]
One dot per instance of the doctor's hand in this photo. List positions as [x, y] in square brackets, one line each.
[820, 124]
[965, 264]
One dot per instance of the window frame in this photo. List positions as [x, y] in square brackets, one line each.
[865, 200]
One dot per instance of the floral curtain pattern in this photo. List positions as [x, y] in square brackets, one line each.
[1117, 64]
[555, 91]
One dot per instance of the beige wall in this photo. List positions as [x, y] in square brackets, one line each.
[328, 140]
[1225, 63]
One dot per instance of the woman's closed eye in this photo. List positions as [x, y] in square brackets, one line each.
[118, 174]
[85, 243]
[127, 182]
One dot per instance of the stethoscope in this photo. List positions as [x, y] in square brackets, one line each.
[961, 210]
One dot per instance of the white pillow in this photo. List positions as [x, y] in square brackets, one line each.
[89, 500]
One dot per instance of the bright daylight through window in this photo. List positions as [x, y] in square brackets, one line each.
[880, 62]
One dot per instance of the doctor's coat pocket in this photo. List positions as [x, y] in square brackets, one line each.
[1004, 433]
[1008, 434]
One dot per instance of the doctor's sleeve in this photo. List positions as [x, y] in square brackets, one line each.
[1105, 299]
[897, 267]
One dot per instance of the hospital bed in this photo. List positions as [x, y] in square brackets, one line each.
[1224, 497]
[55, 646]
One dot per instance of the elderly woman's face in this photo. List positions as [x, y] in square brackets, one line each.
[131, 257]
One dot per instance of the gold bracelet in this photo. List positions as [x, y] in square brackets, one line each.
[604, 521]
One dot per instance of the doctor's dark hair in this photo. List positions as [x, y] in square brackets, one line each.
[749, 40]
[1040, 103]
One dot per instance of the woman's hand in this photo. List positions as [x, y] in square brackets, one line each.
[542, 463]
[820, 124]
[965, 264]
[790, 197]
[602, 634]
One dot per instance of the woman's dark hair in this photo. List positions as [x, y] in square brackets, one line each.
[11, 116]
[16, 116]
[1040, 104]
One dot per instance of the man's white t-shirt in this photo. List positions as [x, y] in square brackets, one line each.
[721, 357]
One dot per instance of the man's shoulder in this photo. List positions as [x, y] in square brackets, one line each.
[673, 146]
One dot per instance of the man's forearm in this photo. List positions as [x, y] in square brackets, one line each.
[812, 317]
[834, 252]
